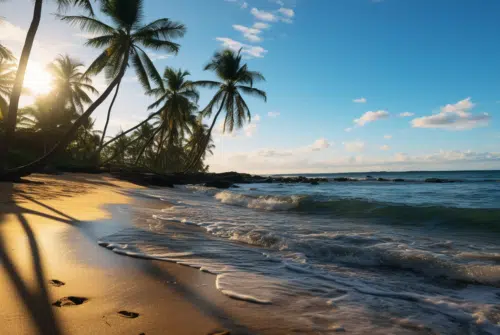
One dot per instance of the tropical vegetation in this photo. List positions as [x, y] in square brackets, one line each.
[57, 129]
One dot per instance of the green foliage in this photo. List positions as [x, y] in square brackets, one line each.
[7, 76]
[170, 137]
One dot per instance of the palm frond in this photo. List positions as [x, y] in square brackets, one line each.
[88, 24]
[253, 91]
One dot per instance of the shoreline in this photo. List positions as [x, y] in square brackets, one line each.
[49, 230]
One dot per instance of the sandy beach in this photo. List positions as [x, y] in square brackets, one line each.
[49, 228]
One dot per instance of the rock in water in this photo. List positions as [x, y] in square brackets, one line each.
[219, 184]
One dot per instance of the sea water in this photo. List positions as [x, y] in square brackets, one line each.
[364, 256]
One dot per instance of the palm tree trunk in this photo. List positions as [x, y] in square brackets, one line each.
[160, 145]
[148, 142]
[128, 131]
[84, 154]
[109, 114]
[68, 136]
[203, 147]
[118, 152]
[10, 124]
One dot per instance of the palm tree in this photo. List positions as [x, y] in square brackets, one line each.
[143, 138]
[177, 97]
[7, 75]
[195, 142]
[70, 86]
[125, 41]
[117, 151]
[44, 120]
[87, 140]
[235, 78]
[5, 54]
[155, 35]
[10, 124]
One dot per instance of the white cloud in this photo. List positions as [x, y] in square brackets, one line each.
[348, 129]
[263, 15]
[154, 56]
[300, 160]
[273, 153]
[85, 35]
[256, 118]
[273, 114]
[370, 117]
[406, 114]
[401, 157]
[250, 129]
[320, 144]
[360, 100]
[250, 34]
[354, 146]
[453, 117]
[11, 32]
[385, 147]
[244, 5]
[387, 137]
[261, 25]
[287, 12]
[249, 51]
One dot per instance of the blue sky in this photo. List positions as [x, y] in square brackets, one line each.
[353, 85]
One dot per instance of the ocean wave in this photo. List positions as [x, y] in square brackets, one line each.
[474, 218]
[265, 202]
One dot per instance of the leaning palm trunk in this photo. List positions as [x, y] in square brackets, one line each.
[199, 153]
[118, 152]
[148, 142]
[10, 124]
[108, 116]
[163, 138]
[68, 136]
[128, 131]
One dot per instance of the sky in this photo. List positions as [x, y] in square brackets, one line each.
[352, 85]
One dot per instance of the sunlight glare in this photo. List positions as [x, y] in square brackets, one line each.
[37, 80]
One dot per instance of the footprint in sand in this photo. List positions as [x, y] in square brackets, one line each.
[69, 301]
[127, 314]
[56, 283]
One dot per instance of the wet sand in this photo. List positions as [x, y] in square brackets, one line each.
[49, 255]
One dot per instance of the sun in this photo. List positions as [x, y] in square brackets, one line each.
[37, 80]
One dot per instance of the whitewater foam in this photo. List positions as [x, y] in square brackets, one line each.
[274, 249]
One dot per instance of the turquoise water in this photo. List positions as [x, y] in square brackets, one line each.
[379, 257]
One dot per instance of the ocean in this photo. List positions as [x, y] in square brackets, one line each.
[364, 256]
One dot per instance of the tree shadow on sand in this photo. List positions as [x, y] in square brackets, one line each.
[33, 295]
[33, 290]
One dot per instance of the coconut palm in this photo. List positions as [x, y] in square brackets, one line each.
[177, 98]
[70, 85]
[114, 60]
[199, 133]
[235, 79]
[5, 54]
[44, 120]
[143, 138]
[10, 124]
[125, 40]
[87, 140]
[7, 75]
